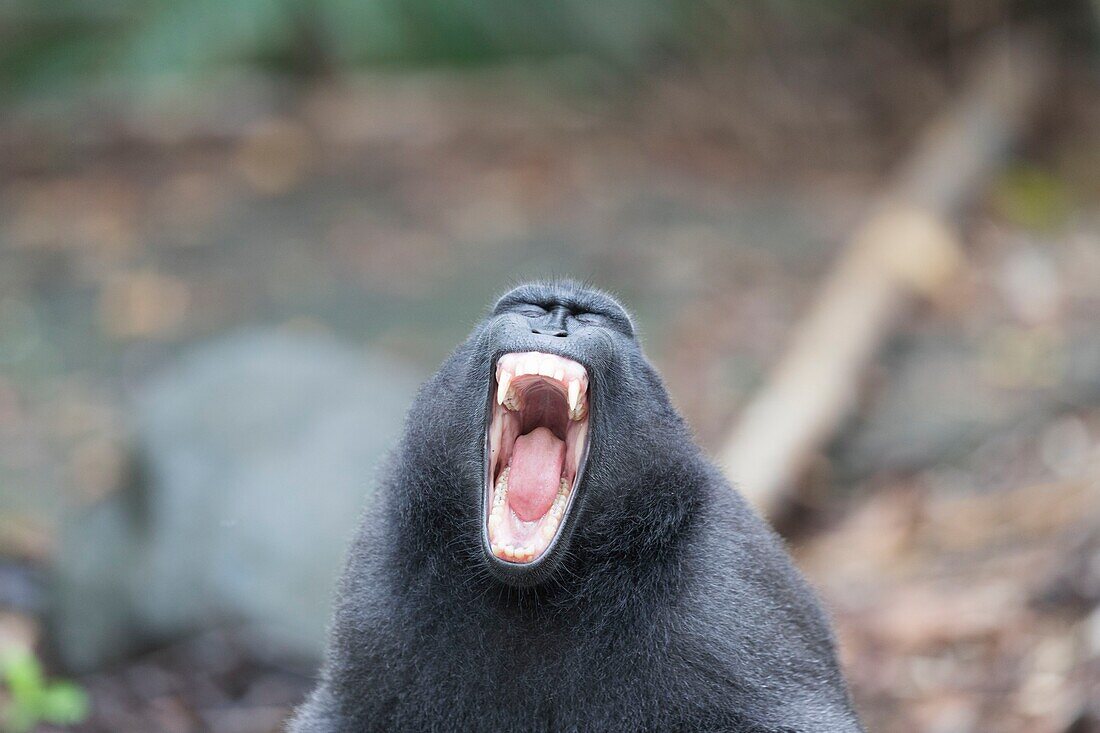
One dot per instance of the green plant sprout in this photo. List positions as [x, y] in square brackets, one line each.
[31, 699]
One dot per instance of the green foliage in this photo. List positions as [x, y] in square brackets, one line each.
[31, 699]
[58, 45]
[65, 43]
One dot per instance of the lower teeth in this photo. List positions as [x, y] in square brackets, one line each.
[497, 516]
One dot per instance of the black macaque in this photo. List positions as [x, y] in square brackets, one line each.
[551, 551]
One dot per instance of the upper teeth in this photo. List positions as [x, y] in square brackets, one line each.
[572, 376]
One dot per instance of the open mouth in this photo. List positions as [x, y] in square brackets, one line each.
[538, 434]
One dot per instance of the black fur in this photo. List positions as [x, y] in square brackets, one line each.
[666, 605]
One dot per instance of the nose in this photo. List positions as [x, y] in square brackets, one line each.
[551, 324]
[559, 333]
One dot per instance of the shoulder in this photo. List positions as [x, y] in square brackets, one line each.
[749, 628]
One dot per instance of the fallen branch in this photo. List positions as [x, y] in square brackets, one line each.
[907, 247]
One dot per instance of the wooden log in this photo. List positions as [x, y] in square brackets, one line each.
[906, 247]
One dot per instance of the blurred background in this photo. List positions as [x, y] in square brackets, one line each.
[235, 236]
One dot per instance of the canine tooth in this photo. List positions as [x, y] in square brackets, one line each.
[502, 387]
[574, 395]
[511, 400]
[578, 413]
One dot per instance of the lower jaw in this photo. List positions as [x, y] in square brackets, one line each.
[511, 539]
[516, 540]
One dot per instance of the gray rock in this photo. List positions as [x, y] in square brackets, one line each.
[254, 458]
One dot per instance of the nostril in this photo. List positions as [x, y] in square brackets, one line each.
[550, 332]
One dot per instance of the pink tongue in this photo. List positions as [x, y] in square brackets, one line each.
[536, 473]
